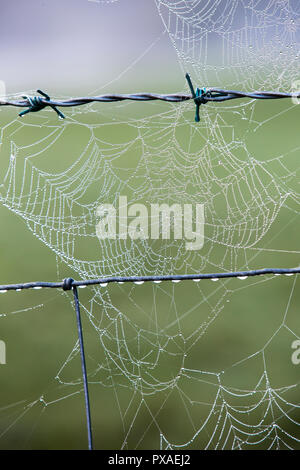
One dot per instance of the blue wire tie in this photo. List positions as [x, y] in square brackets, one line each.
[198, 97]
[37, 103]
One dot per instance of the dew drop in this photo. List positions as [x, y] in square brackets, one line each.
[157, 282]
[3, 291]
[103, 284]
[138, 283]
[175, 281]
[242, 277]
[214, 279]
[196, 280]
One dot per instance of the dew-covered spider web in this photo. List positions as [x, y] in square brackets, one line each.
[191, 365]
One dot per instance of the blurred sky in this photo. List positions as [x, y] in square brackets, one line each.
[87, 46]
[80, 43]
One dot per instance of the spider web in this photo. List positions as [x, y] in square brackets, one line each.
[191, 364]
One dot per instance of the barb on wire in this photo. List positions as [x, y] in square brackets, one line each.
[200, 96]
[36, 103]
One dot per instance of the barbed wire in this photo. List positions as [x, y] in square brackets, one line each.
[199, 96]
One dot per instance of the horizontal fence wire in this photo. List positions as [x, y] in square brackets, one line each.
[69, 283]
[224, 95]
[199, 96]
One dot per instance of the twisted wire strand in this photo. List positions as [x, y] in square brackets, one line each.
[199, 96]
[211, 95]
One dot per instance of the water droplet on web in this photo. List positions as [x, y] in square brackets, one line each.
[37, 287]
[3, 291]
[157, 282]
[242, 277]
[103, 284]
[82, 287]
[196, 280]
[214, 278]
[138, 283]
[175, 281]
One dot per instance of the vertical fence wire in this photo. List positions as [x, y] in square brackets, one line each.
[83, 368]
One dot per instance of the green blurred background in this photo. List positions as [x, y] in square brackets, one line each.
[40, 333]
[237, 335]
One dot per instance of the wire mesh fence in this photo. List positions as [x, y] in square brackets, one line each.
[69, 284]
